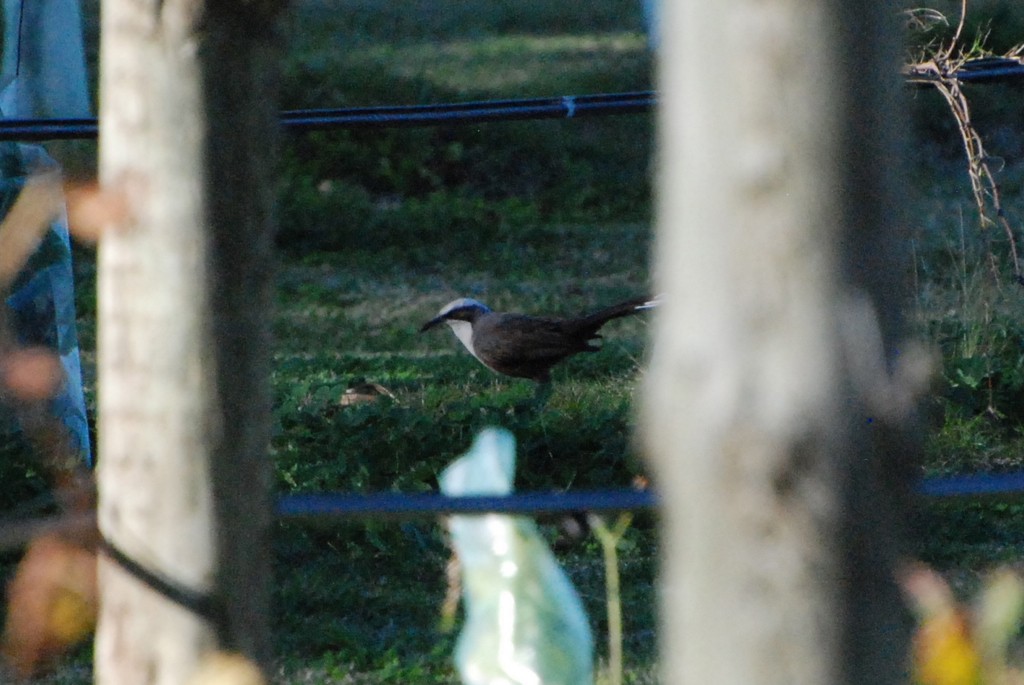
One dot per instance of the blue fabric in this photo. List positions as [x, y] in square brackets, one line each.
[42, 300]
[43, 75]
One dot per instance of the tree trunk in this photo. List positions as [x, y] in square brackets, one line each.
[777, 434]
[187, 118]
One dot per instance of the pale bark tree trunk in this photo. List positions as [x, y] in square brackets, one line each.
[188, 117]
[776, 425]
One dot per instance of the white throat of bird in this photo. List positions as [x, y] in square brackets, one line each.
[463, 330]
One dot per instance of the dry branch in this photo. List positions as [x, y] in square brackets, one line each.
[941, 69]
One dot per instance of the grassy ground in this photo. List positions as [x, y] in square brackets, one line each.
[347, 318]
[537, 216]
[351, 317]
[380, 229]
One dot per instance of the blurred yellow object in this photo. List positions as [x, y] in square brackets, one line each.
[944, 653]
[72, 616]
[956, 644]
[52, 603]
[226, 668]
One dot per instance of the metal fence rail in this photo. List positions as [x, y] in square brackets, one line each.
[462, 113]
[564, 107]
[395, 505]
[328, 507]
[984, 70]
[973, 485]
[981, 70]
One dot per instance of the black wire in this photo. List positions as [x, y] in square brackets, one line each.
[203, 604]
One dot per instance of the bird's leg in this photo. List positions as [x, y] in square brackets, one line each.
[541, 395]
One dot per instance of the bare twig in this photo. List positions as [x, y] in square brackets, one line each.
[960, 26]
[940, 70]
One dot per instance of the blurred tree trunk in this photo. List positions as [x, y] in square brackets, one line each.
[188, 116]
[778, 417]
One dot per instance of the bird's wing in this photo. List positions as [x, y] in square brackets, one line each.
[513, 338]
[528, 336]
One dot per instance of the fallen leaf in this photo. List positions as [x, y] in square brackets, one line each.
[364, 392]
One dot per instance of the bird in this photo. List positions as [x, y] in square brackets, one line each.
[524, 346]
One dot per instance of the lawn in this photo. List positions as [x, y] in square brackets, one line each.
[382, 228]
[379, 229]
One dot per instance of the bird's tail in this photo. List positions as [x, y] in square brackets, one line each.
[635, 305]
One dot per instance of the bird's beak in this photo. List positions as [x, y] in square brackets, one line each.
[433, 322]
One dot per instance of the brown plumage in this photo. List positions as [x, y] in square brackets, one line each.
[527, 346]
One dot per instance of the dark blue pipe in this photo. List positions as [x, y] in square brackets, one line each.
[450, 114]
[567, 107]
[974, 485]
[399, 505]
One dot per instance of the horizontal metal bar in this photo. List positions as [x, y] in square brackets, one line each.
[402, 505]
[565, 107]
[38, 130]
[312, 507]
[974, 485]
[449, 114]
[1012, 72]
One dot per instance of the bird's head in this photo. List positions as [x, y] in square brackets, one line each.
[463, 309]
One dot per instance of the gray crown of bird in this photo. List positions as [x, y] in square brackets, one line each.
[527, 346]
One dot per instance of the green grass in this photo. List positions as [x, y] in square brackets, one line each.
[353, 316]
[966, 304]
[400, 189]
[380, 229]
